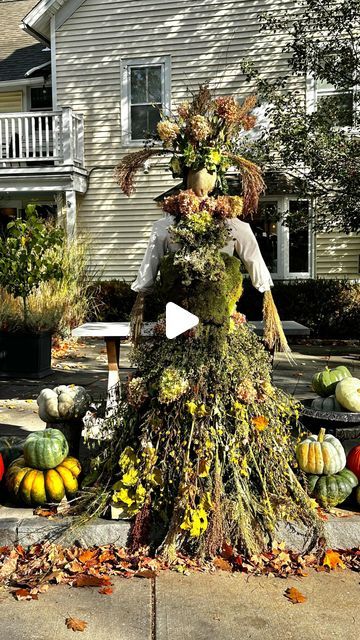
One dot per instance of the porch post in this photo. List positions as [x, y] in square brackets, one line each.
[70, 198]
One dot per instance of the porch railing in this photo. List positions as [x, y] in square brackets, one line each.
[41, 137]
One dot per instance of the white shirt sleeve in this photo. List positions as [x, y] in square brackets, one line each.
[247, 248]
[156, 249]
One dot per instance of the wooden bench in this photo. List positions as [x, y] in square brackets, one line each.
[116, 332]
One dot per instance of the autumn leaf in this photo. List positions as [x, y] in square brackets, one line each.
[83, 580]
[106, 556]
[45, 513]
[260, 422]
[106, 591]
[227, 551]
[145, 573]
[222, 564]
[88, 554]
[295, 596]
[24, 594]
[75, 624]
[332, 560]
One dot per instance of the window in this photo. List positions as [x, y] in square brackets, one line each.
[145, 93]
[335, 101]
[286, 250]
[40, 99]
[340, 104]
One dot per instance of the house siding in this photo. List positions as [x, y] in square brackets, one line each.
[338, 255]
[11, 101]
[206, 43]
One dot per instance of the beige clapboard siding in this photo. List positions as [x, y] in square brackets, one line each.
[206, 41]
[337, 255]
[11, 101]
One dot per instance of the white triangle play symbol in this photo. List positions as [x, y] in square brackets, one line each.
[178, 320]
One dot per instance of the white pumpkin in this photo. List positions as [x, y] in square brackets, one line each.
[348, 394]
[63, 403]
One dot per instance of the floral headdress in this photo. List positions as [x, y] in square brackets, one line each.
[203, 134]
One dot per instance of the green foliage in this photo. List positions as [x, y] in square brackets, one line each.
[27, 257]
[323, 41]
[112, 301]
[57, 305]
[330, 308]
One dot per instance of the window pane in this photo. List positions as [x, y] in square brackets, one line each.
[264, 226]
[138, 85]
[154, 84]
[338, 107]
[143, 121]
[299, 237]
[41, 98]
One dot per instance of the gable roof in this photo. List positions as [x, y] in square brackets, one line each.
[38, 20]
[19, 52]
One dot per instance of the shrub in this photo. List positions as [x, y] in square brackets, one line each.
[112, 301]
[330, 308]
[56, 305]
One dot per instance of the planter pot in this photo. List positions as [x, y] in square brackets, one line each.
[25, 355]
[344, 425]
[201, 182]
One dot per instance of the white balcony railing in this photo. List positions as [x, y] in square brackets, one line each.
[36, 138]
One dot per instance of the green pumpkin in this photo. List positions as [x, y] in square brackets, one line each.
[324, 383]
[348, 394]
[45, 449]
[326, 404]
[11, 448]
[332, 490]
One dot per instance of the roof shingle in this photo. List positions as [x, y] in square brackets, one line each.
[19, 52]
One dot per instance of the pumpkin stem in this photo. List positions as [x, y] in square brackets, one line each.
[321, 435]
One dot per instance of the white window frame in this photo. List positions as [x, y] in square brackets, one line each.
[283, 241]
[312, 94]
[126, 65]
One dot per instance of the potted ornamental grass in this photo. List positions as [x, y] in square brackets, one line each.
[30, 257]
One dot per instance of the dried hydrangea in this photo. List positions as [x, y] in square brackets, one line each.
[184, 109]
[168, 131]
[173, 384]
[136, 392]
[199, 222]
[183, 204]
[199, 128]
[226, 107]
[229, 206]
[246, 392]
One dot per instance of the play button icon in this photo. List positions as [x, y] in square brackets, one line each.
[178, 320]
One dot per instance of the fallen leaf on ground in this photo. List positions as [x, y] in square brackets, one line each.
[145, 573]
[106, 591]
[295, 596]
[45, 513]
[24, 594]
[90, 581]
[75, 624]
[87, 555]
[222, 564]
[332, 560]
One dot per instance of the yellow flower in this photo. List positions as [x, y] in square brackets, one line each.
[195, 521]
[128, 458]
[260, 422]
[130, 478]
[191, 407]
[201, 410]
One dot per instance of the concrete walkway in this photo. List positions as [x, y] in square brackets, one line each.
[195, 607]
[172, 606]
